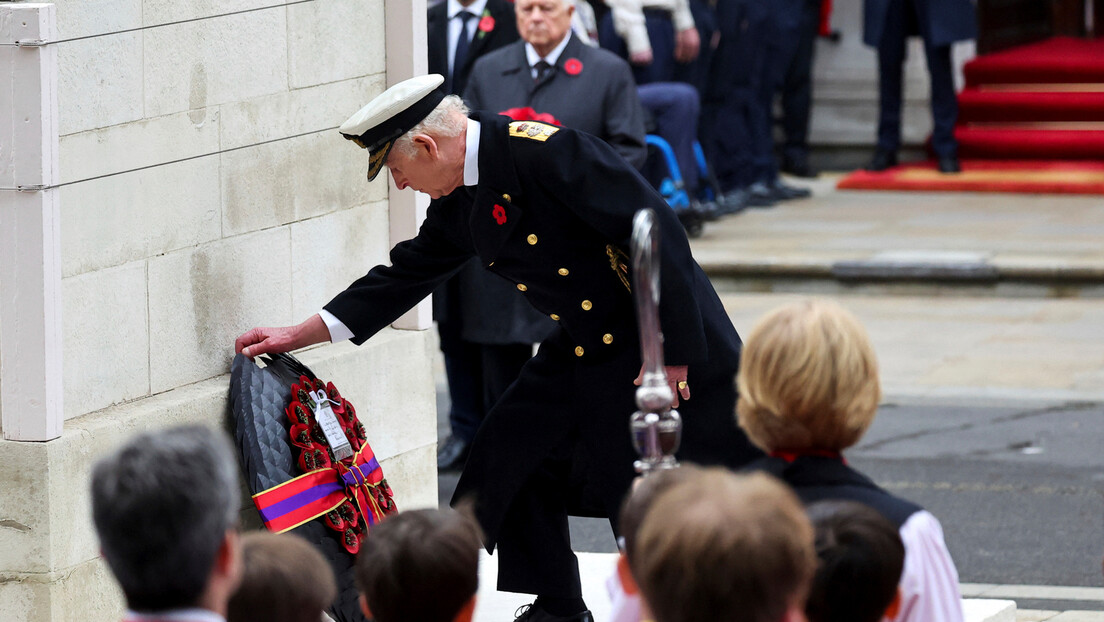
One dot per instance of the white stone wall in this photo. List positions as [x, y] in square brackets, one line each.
[205, 191]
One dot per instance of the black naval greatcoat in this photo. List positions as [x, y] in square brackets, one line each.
[552, 214]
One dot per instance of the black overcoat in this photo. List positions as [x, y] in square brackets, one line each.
[503, 33]
[940, 22]
[551, 214]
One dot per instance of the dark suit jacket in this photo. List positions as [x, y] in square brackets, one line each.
[941, 22]
[504, 33]
[600, 99]
[550, 207]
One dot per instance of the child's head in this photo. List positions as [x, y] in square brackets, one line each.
[284, 580]
[644, 492]
[808, 379]
[420, 565]
[860, 562]
[722, 546]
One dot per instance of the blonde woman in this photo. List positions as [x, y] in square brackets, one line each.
[808, 390]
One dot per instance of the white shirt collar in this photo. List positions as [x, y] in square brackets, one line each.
[471, 154]
[553, 56]
[475, 8]
[183, 615]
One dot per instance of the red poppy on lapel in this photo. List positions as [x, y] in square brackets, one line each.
[573, 67]
[528, 114]
[499, 214]
[486, 24]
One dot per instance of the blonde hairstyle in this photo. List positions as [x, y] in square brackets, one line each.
[448, 119]
[722, 546]
[808, 379]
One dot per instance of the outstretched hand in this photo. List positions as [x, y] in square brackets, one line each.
[257, 341]
[676, 379]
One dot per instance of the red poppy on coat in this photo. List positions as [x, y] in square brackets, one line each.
[499, 214]
[486, 24]
[528, 114]
[573, 66]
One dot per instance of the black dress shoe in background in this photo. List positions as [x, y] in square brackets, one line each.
[949, 164]
[534, 613]
[798, 166]
[452, 454]
[733, 202]
[761, 195]
[882, 160]
[785, 192]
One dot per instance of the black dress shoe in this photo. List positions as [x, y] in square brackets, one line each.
[533, 613]
[452, 454]
[761, 195]
[798, 166]
[949, 164]
[882, 160]
[733, 202]
[785, 192]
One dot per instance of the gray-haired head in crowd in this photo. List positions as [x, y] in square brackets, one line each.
[165, 506]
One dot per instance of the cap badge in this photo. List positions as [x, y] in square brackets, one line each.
[499, 214]
[573, 66]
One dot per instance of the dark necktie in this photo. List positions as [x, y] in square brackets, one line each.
[543, 69]
[461, 45]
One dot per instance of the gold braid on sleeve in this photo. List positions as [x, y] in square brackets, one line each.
[619, 263]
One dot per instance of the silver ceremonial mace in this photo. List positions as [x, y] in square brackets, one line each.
[656, 428]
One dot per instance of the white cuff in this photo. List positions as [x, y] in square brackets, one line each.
[338, 330]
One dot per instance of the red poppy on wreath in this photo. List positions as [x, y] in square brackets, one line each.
[499, 214]
[573, 67]
[486, 24]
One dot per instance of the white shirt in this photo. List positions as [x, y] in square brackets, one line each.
[184, 615]
[533, 58]
[475, 8]
[929, 582]
[338, 330]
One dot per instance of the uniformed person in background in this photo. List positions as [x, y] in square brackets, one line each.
[549, 209]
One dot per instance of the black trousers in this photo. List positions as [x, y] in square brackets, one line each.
[797, 85]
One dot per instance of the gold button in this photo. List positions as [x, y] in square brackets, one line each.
[522, 287]
[578, 350]
[490, 264]
[607, 338]
[555, 317]
[587, 305]
[532, 239]
[506, 197]
[563, 271]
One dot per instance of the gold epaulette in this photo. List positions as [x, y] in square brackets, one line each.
[532, 130]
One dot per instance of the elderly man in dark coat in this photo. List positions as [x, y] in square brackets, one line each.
[886, 25]
[487, 327]
[550, 210]
[585, 88]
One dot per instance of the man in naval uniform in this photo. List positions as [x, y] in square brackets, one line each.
[550, 210]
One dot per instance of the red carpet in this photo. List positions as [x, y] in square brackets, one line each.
[1058, 60]
[1022, 176]
[1031, 119]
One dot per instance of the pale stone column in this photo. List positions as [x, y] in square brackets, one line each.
[406, 58]
[30, 228]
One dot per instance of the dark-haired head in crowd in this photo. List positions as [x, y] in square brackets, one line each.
[420, 565]
[722, 546]
[285, 580]
[808, 389]
[626, 605]
[860, 558]
[165, 506]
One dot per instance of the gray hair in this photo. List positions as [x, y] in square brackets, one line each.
[162, 504]
[448, 119]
